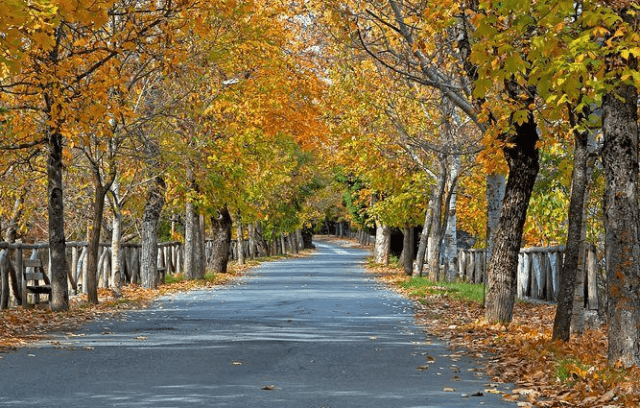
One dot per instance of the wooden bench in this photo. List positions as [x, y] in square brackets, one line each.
[31, 282]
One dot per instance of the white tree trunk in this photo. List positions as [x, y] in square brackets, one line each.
[190, 241]
[116, 240]
[382, 245]
[240, 240]
[451, 241]
[495, 194]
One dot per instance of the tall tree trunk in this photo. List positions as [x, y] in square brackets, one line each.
[150, 219]
[93, 248]
[283, 244]
[407, 249]
[424, 237]
[116, 240]
[190, 241]
[621, 221]
[263, 248]
[199, 256]
[383, 242]
[523, 160]
[11, 235]
[496, 185]
[101, 188]
[299, 238]
[307, 237]
[294, 242]
[221, 225]
[450, 230]
[55, 210]
[4, 279]
[435, 236]
[568, 271]
[240, 240]
[252, 240]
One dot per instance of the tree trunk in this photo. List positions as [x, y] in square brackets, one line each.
[199, 256]
[240, 240]
[294, 242]
[621, 218]
[299, 238]
[4, 272]
[283, 244]
[263, 248]
[495, 195]
[252, 240]
[11, 236]
[55, 210]
[307, 238]
[150, 219]
[523, 160]
[407, 249]
[435, 236]
[93, 248]
[116, 241]
[221, 240]
[190, 241]
[450, 234]
[383, 243]
[424, 237]
[496, 185]
[568, 272]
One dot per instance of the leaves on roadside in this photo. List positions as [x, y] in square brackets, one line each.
[546, 373]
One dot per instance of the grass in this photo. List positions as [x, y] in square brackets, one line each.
[422, 287]
[570, 370]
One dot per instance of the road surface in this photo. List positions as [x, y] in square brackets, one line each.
[305, 332]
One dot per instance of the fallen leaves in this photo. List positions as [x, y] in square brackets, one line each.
[546, 373]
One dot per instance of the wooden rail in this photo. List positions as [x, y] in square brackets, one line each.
[14, 256]
[538, 272]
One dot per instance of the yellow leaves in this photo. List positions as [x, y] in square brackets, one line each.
[600, 32]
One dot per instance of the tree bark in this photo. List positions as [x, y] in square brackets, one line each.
[199, 256]
[407, 249]
[116, 241]
[190, 241]
[435, 236]
[523, 160]
[299, 239]
[424, 238]
[450, 230]
[55, 210]
[93, 248]
[283, 243]
[150, 219]
[263, 248]
[252, 240]
[569, 270]
[4, 271]
[307, 238]
[221, 240]
[621, 221]
[11, 236]
[496, 185]
[383, 242]
[240, 240]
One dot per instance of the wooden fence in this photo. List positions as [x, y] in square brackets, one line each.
[170, 255]
[538, 272]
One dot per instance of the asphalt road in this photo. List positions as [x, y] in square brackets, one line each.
[306, 332]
